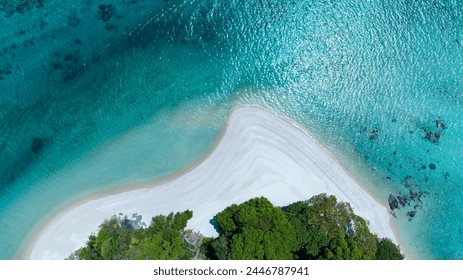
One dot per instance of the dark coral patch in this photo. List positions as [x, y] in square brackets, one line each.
[9, 8]
[37, 145]
[5, 71]
[105, 12]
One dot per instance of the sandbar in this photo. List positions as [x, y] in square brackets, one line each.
[258, 154]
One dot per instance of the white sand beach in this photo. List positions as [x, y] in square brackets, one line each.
[259, 154]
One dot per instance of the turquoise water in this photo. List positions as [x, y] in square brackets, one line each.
[98, 95]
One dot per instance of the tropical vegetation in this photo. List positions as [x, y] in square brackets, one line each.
[320, 228]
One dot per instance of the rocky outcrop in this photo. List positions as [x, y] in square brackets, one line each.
[134, 223]
[440, 124]
[393, 202]
[434, 136]
[411, 214]
[410, 202]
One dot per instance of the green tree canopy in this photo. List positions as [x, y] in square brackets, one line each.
[254, 230]
[161, 240]
[319, 228]
[328, 229]
[387, 250]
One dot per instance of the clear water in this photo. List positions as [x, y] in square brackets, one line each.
[146, 93]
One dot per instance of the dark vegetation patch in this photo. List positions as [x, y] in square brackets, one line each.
[37, 145]
[10, 7]
[110, 27]
[105, 12]
[73, 20]
[43, 22]
[29, 42]
[68, 64]
[5, 70]
[133, 2]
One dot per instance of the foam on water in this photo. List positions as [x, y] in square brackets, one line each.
[369, 78]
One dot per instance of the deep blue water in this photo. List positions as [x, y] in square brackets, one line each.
[377, 81]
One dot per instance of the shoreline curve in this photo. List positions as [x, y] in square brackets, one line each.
[257, 154]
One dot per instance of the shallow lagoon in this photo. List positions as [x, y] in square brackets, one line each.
[77, 80]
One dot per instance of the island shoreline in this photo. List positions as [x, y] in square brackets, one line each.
[29, 250]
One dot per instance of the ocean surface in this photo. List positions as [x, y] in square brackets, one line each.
[95, 95]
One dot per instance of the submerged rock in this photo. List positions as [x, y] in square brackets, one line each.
[409, 181]
[414, 194]
[422, 198]
[411, 214]
[430, 136]
[440, 123]
[373, 134]
[5, 71]
[432, 166]
[37, 145]
[393, 202]
[402, 200]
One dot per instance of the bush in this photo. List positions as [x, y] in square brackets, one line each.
[387, 250]
[254, 230]
[163, 239]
